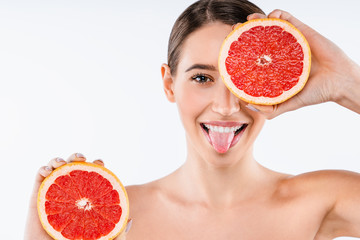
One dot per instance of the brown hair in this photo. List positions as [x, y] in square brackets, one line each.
[201, 13]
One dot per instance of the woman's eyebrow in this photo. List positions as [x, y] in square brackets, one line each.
[201, 66]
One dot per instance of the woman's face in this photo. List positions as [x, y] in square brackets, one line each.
[219, 128]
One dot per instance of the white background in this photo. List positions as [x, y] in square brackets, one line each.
[84, 76]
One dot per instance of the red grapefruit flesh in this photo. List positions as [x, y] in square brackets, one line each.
[83, 201]
[265, 61]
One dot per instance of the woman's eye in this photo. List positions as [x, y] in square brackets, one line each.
[201, 78]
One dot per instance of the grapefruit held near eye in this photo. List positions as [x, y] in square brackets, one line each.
[265, 61]
[83, 201]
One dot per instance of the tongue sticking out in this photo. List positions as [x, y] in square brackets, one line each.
[221, 141]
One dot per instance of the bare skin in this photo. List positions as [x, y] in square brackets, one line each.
[282, 207]
[229, 195]
[214, 196]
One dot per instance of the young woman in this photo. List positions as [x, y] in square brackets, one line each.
[221, 192]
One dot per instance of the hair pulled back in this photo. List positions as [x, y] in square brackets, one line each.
[201, 13]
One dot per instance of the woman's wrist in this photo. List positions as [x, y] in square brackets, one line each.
[347, 92]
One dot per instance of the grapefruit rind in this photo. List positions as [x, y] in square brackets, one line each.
[234, 35]
[85, 166]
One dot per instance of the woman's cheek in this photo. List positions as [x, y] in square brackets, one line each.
[257, 121]
[192, 101]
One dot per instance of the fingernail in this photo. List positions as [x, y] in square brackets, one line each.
[252, 108]
[99, 160]
[47, 168]
[79, 155]
[250, 15]
[128, 226]
[59, 160]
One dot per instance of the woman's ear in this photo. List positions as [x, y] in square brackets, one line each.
[168, 82]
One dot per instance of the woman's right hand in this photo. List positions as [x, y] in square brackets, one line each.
[34, 229]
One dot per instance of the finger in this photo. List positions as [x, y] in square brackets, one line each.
[99, 162]
[256, 16]
[128, 226]
[43, 172]
[267, 110]
[76, 157]
[122, 236]
[272, 111]
[277, 13]
[235, 26]
[250, 17]
[56, 162]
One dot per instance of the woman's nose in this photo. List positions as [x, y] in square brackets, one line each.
[225, 103]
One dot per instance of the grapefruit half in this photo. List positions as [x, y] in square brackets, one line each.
[265, 61]
[83, 201]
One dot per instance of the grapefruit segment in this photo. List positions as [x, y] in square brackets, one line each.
[60, 220]
[91, 230]
[110, 198]
[67, 185]
[52, 208]
[83, 201]
[112, 213]
[75, 229]
[265, 61]
[57, 194]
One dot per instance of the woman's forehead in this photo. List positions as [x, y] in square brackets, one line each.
[203, 45]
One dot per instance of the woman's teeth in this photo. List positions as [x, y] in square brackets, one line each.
[221, 129]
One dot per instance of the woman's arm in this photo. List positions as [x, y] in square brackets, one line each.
[333, 76]
[343, 219]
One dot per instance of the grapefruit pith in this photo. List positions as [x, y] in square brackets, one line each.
[83, 201]
[265, 61]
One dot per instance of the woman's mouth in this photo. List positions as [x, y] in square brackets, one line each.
[223, 135]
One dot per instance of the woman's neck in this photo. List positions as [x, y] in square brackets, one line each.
[222, 186]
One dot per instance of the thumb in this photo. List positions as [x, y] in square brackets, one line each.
[122, 236]
[272, 111]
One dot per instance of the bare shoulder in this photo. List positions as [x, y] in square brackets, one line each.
[330, 197]
[325, 188]
[143, 197]
[145, 202]
[142, 191]
[139, 191]
[323, 182]
[338, 191]
[323, 178]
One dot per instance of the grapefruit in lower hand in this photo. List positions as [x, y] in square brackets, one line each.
[265, 61]
[83, 201]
